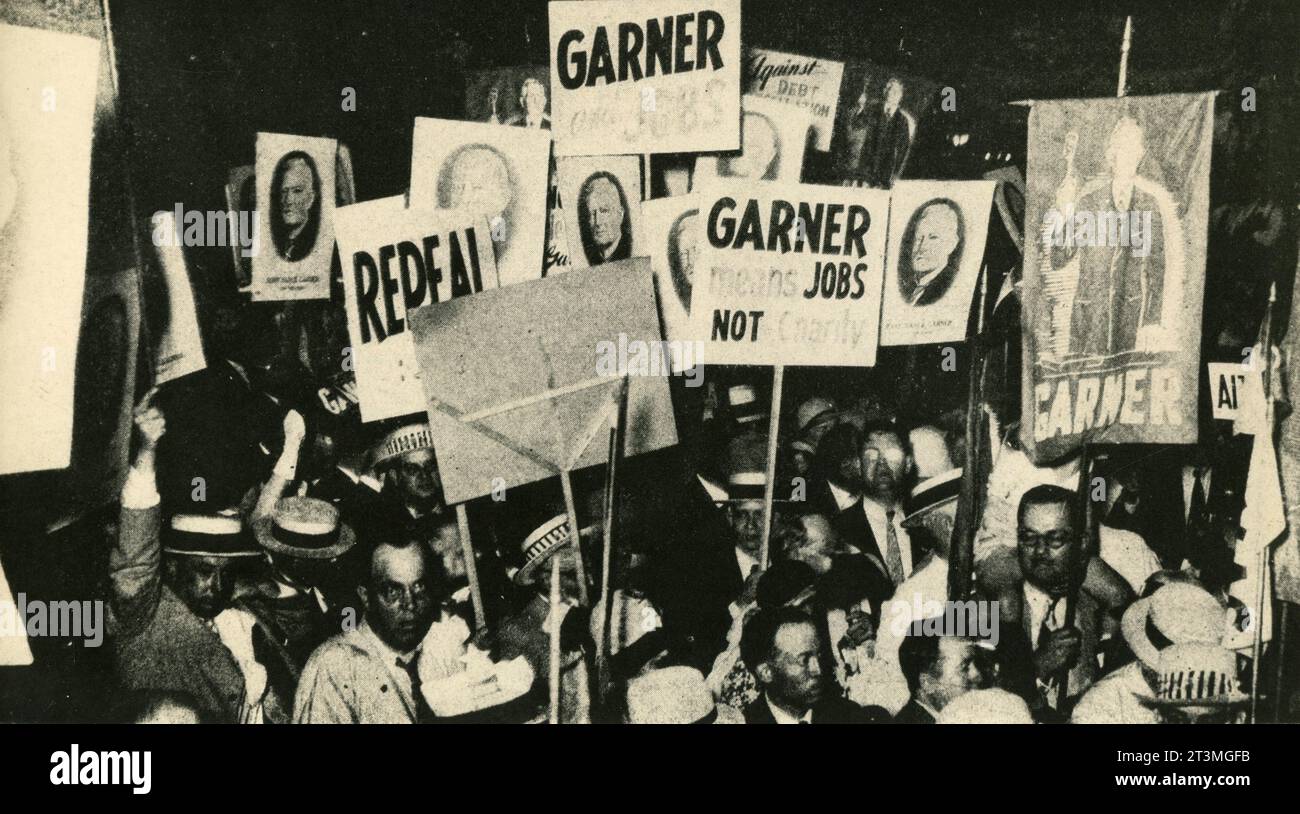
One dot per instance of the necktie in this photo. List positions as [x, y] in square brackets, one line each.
[423, 714]
[893, 554]
[1196, 506]
[1049, 621]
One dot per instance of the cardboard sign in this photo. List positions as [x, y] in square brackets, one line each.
[789, 274]
[295, 200]
[880, 113]
[807, 84]
[660, 76]
[547, 336]
[936, 245]
[1114, 267]
[394, 260]
[772, 137]
[672, 234]
[180, 344]
[44, 189]
[497, 172]
[604, 217]
[518, 96]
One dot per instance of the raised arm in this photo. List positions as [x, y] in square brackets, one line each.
[134, 562]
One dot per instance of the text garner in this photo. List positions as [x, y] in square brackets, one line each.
[673, 45]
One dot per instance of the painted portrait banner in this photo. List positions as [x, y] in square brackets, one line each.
[559, 335]
[47, 109]
[1114, 270]
[501, 173]
[394, 260]
[808, 84]
[655, 76]
[789, 273]
[880, 113]
[936, 245]
[672, 233]
[773, 137]
[604, 218]
[295, 201]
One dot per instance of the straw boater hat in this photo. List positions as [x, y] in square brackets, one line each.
[545, 541]
[408, 438]
[675, 695]
[208, 535]
[1178, 613]
[929, 495]
[1196, 675]
[304, 527]
[992, 706]
[750, 485]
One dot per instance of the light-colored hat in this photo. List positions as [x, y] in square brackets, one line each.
[750, 485]
[812, 410]
[208, 535]
[544, 541]
[402, 440]
[305, 527]
[674, 695]
[1196, 674]
[931, 494]
[745, 407]
[992, 706]
[1180, 613]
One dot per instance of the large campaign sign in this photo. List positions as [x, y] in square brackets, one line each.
[657, 76]
[1115, 231]
[789, 273]
[394, 260]
[808, 84]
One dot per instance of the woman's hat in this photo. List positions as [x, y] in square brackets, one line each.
[305, 527]
[1196, 674]
[208, 535]
[1178, 613]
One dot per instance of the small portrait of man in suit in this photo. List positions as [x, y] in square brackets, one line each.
[532, 106]
[295, 209]
[477, 177]
[682, 251]
[878, 135]
[931, 252]
[760, 151]
[603, 220]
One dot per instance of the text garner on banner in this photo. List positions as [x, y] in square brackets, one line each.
[789, 274]
[646, 77]
[1114, 266]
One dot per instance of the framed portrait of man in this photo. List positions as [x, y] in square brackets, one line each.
[295, 200]
[604, 218]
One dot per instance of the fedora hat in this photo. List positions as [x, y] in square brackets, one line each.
[305, 527]
[1177, 613]
[674, 695]
[208, 535]
[1196, 674]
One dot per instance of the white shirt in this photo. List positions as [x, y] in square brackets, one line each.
[843, 497]
[880, 528]
[919, 291]
[1189, 482]
[746, 561]
[1038, 604]
[783, 717]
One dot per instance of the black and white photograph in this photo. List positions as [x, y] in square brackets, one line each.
[592, 363]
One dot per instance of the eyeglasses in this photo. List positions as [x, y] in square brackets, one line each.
[1055, 542]
[391, 593]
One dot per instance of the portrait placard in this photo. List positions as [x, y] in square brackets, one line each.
[807, 84]
[295, 201]
[772, 138]
[604, 216]
[672, 236]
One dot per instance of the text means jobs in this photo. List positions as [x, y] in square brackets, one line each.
[419, 279]
[663, 47]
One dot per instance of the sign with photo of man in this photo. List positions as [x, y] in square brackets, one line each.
[672, 229]
[518, 96]
[936, 247]
[880, 112]
[1115, 232]
[295, 201]
[605, 216]
[773, 137]
[655, 76]
[498, 172]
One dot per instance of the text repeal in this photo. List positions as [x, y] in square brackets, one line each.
[419, 278]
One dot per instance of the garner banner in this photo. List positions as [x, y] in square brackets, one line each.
[657, 76]
[1114, 270]
[789, 273]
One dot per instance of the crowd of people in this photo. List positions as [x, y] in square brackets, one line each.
[273, 567]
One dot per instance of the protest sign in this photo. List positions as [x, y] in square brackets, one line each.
[772, 138]
[605, 214]
[295, 201]
[672, 233]
[498, 172]
[518, 95]
[936, 245]
[551, 336]
[1232, 387]
[880, 113]
[661, 76]
[44, 190]
[179, 350]
[394, 260]
[1115, 233]
[807, 84]
[789, 274]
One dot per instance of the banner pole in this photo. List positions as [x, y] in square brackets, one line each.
[1266, 378]
[553, 663]
[769, 488]
[961, 557]
[566, 483]
[471, 567]
[1122, 90]
[605, 637]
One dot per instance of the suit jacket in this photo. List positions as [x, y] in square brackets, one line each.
[159, 643]
[913, 713]
[830, 710]
[937, 287]
[853, 529]
[1016, 651]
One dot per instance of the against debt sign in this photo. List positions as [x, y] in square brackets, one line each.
[808, 84]
[661, 76]
[395, 259]
[789, 273]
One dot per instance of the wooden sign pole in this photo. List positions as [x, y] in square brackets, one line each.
[471, 567]
[769, 489]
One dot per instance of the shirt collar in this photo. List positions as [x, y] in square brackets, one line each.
[843, 497]
[783, 717]
[383, 651]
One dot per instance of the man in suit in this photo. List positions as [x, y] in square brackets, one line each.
[874, 525]
[836, 474]
[784, 650]
[938, 669]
